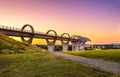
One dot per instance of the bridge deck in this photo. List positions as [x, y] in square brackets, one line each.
[17, 32]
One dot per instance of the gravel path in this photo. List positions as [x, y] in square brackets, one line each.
[105, 65]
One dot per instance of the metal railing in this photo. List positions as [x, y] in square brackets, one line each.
[26, 30]
[19, 29]
[10, 28]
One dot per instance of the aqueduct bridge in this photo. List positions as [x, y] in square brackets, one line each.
[78, 42]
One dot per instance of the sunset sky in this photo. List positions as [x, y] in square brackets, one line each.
[98, 20]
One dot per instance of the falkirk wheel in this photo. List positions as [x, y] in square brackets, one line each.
[78, 42]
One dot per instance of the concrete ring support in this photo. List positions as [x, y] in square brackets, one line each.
[65, 44]
[32, 34]
[75, 43]
[62, 40]
[51, 45]
[73, 37]
[54, 39]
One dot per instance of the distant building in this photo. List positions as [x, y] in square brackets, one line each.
[103, 46]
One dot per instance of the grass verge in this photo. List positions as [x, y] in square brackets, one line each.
[110, 55]
[44, 64]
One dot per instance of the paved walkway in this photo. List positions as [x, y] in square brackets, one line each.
[105, 65]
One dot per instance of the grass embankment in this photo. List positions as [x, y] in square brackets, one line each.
[9, 45]
[44, 64]
[110, 55]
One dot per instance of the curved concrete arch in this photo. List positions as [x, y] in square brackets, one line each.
[75, 43]
[73, 37]
[32, 35]
[54, 39]
[51, 45]
[63, 40]
[65, 44]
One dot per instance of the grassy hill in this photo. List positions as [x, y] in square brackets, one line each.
[9, 45]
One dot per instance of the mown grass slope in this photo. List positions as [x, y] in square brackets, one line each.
[110, 55]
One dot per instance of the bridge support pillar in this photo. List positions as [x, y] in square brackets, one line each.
[65, 47]
[75, 46]
[75, 43]
[82, 46]
[51, 47]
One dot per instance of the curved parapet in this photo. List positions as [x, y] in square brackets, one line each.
[32, 34]
[54, 38]
[62, 40]
[83, 39]
[74, 37]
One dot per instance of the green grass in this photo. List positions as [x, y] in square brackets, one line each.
[44, 64]
[9, 45]
[110, 55]
[17, 61]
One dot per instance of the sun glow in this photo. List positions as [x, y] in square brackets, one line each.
[97, 20]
